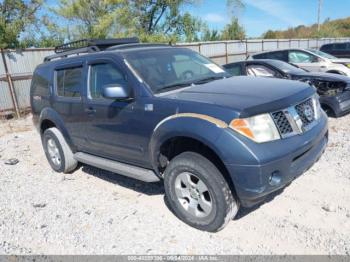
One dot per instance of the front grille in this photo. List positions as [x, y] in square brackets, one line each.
[306, 112]
[295, 119]
[282, 123]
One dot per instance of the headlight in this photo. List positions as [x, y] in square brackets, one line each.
[317, 106]
[260, 128]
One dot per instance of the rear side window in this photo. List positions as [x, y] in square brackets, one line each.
[327, 47]
[40, 83]
[68, 81]
[340, 47]
[273, 55]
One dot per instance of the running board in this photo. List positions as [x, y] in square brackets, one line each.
[135, 172]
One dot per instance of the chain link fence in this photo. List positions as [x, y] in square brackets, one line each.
[17, 66]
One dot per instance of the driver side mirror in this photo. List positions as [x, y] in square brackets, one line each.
[116, 92]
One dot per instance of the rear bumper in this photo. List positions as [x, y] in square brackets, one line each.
[279, 163]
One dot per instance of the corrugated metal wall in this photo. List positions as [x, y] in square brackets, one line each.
[21, 63]
[20, 66]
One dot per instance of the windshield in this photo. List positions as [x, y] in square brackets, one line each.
[285, 67]
[322, 54]
[172, 68]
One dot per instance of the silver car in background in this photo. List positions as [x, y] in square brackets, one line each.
[309, 59]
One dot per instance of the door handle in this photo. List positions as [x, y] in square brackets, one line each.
[90, 110]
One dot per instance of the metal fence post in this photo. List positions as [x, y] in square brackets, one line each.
[246, 48]
[10, 83]
[226, 52]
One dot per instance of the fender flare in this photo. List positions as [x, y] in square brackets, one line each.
[187, 125]
[49, 114]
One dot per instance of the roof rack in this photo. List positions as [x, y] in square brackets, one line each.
[88, 46]
[119, 47]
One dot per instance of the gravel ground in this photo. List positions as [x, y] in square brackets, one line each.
[96, 212]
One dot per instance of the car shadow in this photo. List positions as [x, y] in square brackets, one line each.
[155, 188]
[243, 211]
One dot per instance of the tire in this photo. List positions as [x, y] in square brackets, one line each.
[57, 151]
[214, 208]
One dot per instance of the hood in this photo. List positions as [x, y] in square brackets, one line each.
[247, 95]
[325, 76]
[344, 61]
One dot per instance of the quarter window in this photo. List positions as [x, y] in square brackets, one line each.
[102, 75]
[68, 81]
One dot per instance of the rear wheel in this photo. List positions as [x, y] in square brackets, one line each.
[198, 193]
[57, 151]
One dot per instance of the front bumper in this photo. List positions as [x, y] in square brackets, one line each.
[277, 163]
[339, 103]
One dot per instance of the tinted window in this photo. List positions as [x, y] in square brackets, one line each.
[40, 83]
[340, 47]
[281, 55]
[68, 81]
[235, 70]
[285, 67]
[327, 47]
[300, 57]
[102, 75]
[260, 70]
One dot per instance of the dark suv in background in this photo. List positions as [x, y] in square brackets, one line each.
[341, 50]
[156, 112]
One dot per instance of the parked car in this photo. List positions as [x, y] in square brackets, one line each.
[333, 89]
[309, 59]
[341, 50]
[156, 112]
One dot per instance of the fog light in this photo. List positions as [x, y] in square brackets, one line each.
[275, 178]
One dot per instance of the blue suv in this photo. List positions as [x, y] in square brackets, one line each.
[157, 112]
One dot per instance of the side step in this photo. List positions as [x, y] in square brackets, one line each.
[138, 173]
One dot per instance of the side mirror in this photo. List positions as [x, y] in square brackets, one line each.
[116, 92]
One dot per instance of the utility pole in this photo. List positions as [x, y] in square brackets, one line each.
[319, 15]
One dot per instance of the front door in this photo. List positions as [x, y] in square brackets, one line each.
[111, 126]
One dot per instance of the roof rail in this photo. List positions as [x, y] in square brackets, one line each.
[125, 46]
[88, 46]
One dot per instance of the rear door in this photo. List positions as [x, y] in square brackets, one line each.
[69, 86]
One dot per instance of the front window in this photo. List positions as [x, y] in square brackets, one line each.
[322, 54]
[260, 70]
[301, 57]
[102, 75]
[172, 68]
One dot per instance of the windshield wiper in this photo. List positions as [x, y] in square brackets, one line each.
[173, 86]
[207, 79]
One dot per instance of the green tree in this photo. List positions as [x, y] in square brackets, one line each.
[90, 19]
[270, 35]
[233, 31]
[210, 35]
[15, 17]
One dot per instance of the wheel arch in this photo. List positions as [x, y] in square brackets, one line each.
[49, 118]
[181, 134]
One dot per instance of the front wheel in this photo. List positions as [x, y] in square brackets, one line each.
[198, 193]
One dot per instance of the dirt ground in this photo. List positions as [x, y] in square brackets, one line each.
[96, 212]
